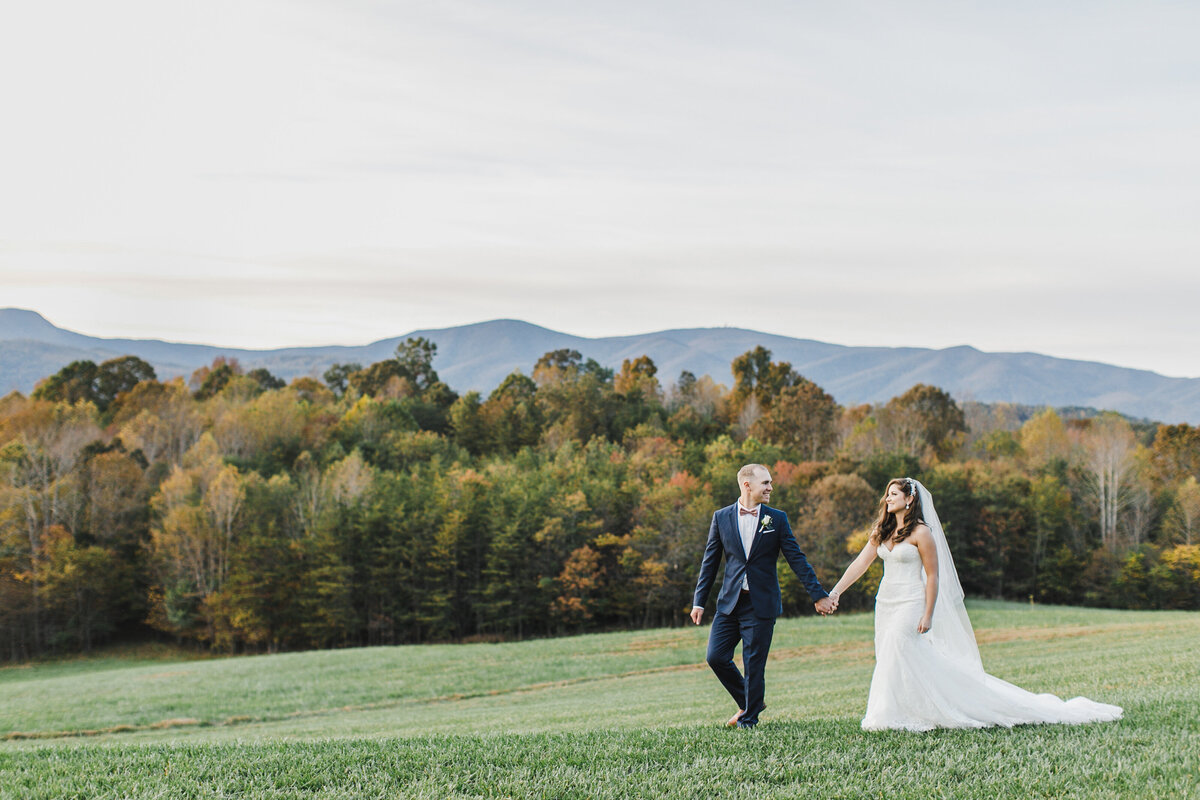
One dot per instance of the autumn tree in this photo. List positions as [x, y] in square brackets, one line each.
[925, 419]
[556, 365]
[1175, 452]
[858, 432]
[803, 419]
[209, 381]
[581, 579]
[598, 581]
[670, 525]
[468, 424]
[830, 511]
[512, 416]
[409, 377]
[1107, 468]
[82, 588]
[73, 383]
[757, 382]
[196, 510]
[144, 395]
[694, 406]
[116, 492]
[1182, 523]
[166, 424]
[1045, 441]
[576, 397]
[312, 391]
[637, 378]
[99, 385]
[638, 394]
[415, 358]
[41, 446]
[119, 375]
[1051, 507]
[368, 423]
[991, 428]
[337, 377]
[265, 380]
[381, 379]
[266, 431]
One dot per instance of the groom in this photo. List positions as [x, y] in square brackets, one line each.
[751, 536]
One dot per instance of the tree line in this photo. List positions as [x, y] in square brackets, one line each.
[378, 506]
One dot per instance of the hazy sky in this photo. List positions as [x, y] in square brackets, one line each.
[1014, 176]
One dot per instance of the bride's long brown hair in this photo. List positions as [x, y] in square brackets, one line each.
[885, 524]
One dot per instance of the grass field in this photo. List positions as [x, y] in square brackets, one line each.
[609, 715]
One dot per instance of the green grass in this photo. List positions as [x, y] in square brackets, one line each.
[610, 715]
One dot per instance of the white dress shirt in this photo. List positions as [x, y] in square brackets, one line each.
[747, 527]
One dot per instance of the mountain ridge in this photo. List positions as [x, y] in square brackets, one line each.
[479, 355]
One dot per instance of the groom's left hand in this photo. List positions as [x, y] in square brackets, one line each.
[825, 606]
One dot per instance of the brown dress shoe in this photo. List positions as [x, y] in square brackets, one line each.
[734, 719]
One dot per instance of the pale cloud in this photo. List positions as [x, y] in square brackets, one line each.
[265, 173]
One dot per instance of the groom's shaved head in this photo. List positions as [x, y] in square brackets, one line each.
[747, 472]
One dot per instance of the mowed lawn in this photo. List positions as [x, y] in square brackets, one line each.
[606, 715]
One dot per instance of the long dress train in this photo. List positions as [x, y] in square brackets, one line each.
[919, 685]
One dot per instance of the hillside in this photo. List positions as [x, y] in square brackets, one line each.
[478, 357]
[633, 714]
[493, 687]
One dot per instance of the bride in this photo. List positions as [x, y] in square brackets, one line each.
[927, 668]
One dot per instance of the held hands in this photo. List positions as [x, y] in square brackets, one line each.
[825, 606]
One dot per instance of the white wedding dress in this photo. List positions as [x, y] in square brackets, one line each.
[936, 679]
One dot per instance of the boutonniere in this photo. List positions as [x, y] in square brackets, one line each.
[767, 524]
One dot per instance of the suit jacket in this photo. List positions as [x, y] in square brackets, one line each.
[770, 539]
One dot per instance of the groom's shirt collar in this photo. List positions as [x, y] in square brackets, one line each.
[757, 509]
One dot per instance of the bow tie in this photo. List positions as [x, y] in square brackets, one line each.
[744, 511]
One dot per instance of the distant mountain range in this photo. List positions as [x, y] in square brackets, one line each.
[479, 356]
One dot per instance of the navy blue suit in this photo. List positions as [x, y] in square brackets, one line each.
[749, 618]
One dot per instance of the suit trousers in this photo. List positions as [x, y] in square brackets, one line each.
[755, 635]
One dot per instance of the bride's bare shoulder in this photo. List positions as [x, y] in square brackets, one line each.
[921, 533]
